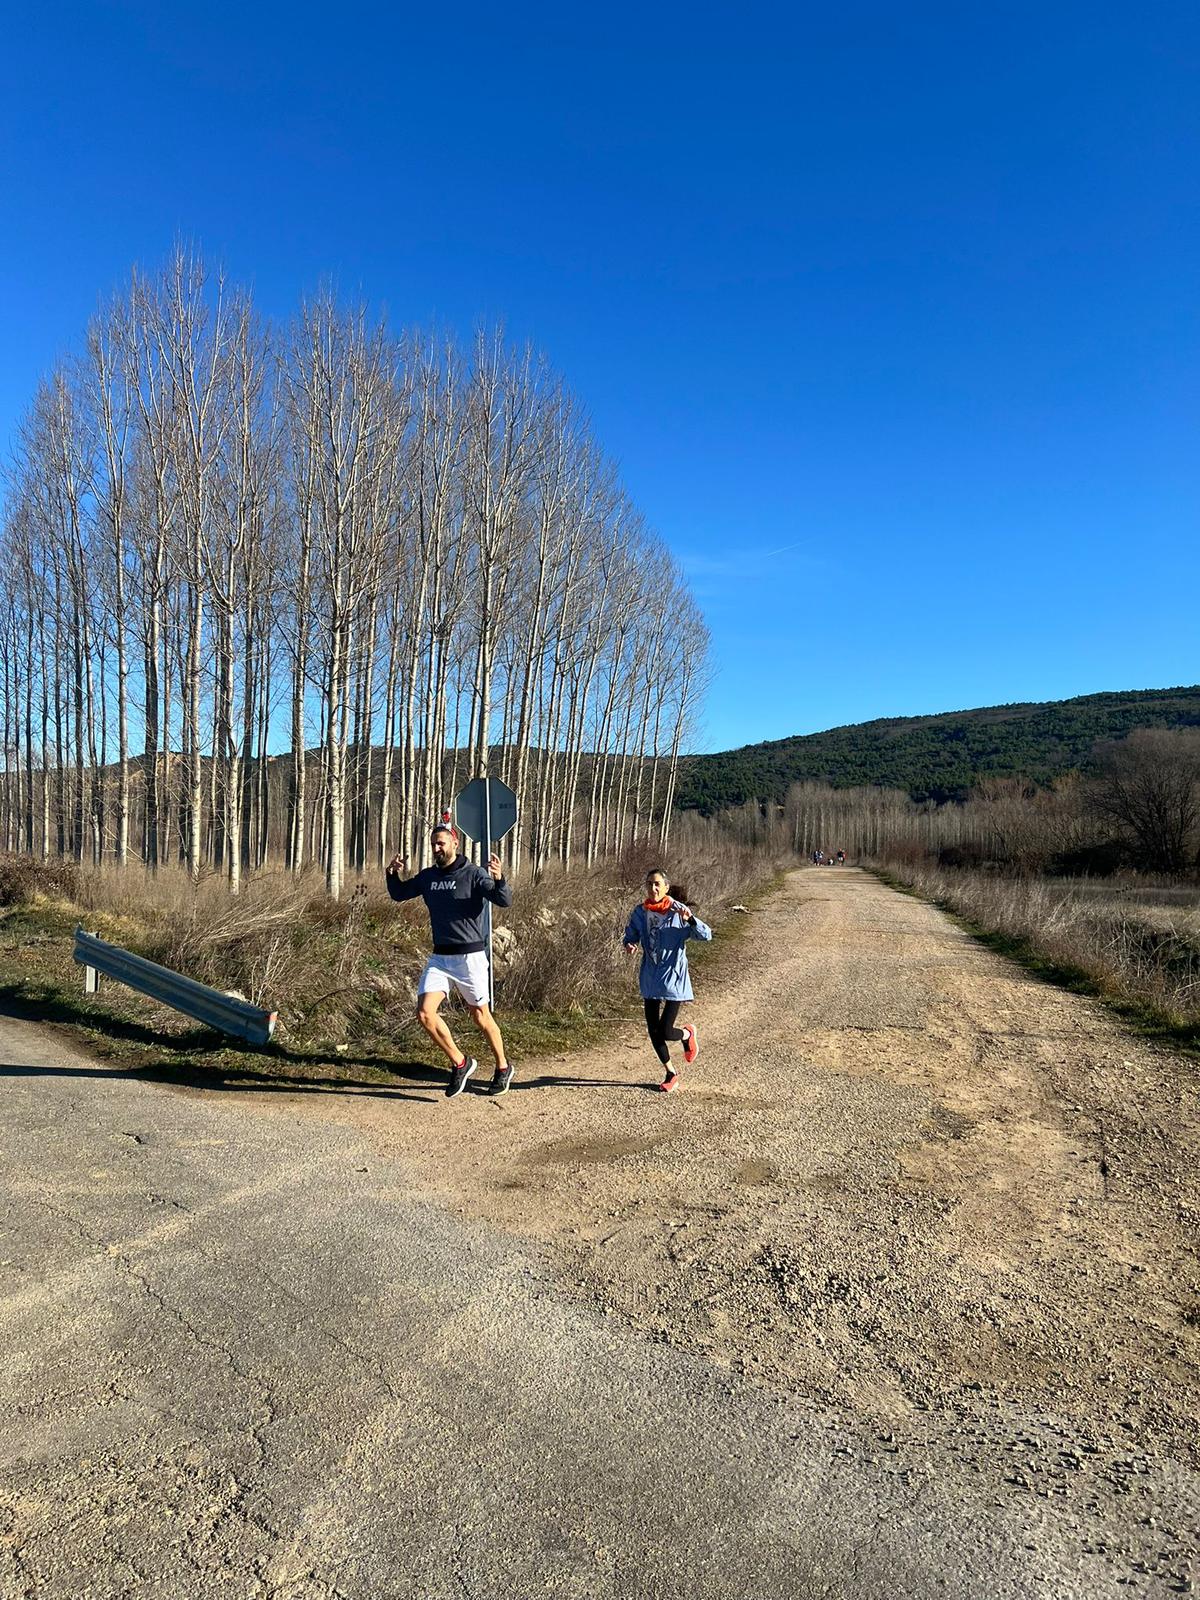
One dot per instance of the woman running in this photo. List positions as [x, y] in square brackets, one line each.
[661, 927]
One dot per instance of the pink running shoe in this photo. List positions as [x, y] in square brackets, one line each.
[691, 1045]
[671, 1081]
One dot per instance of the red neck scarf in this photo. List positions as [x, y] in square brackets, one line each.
[662, 905]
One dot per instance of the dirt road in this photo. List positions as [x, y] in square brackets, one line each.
[898, 1295]
[904, 1179]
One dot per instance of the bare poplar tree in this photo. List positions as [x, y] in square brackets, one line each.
[344, 378]
[110, 371]
[419, 558]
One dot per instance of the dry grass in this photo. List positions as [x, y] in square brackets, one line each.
[566, 929]
[335, 971]
[344, 973]
[22, 878]
[1136, 943]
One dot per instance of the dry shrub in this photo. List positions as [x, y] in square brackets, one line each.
[198, 927]
[332, 969]
[718, 868]
[347, 970]
[24, 880]
[566, 942]
[567, 927]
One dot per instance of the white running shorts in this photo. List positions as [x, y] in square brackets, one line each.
[467, 974]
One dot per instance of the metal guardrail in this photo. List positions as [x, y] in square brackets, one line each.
[210, 1006]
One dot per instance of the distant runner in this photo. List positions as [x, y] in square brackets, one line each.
[661, 927]
[454, 890]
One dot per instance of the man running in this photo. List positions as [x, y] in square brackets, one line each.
[454, 890]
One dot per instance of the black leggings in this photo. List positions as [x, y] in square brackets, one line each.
[660, 1025]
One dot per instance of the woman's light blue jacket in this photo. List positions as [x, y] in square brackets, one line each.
[663, 936]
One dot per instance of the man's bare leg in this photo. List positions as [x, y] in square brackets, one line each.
[430, 1018]
[490, 1029]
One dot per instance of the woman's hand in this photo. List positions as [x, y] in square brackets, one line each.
[631, 949]
[684, 914]
[495, 867]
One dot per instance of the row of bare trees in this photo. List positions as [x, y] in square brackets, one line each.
[274, 594]
[866, 822]
[1138, 805]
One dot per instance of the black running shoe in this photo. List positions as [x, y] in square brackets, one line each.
[458, 1078]
[501, 1081]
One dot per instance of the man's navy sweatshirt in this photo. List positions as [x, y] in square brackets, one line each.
[454, 896]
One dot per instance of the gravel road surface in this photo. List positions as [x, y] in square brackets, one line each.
[896, 1297]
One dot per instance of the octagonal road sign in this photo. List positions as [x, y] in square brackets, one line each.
[486, 810]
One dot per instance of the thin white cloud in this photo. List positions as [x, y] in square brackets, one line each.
[701, 566]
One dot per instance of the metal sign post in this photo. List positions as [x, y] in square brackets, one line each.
[486, 811]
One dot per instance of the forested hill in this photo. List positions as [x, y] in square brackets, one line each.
[937, 757]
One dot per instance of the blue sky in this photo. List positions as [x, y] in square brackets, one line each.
[890, 314]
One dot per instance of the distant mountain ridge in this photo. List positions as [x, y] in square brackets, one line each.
[937, 757]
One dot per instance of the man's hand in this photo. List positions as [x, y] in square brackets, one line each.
[495, 867]
[397, 866]
[684, 914]
[631, 949]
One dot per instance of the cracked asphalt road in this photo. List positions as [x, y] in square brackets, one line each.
[245, 1353]
[242, 1359]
